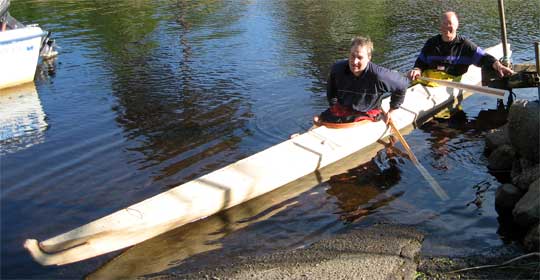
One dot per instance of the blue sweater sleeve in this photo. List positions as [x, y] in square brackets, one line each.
[395, 83]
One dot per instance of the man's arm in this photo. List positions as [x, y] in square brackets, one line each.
[420, 64]
[482, 58]
[398, 95]
[501, 69]
[396, 84]
[490, 61]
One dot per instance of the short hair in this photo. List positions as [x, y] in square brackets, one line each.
[363, 42]
[442, 17]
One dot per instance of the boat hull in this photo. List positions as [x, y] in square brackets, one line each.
[19, 54]
[239, 182]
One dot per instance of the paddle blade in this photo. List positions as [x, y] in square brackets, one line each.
[432, 182]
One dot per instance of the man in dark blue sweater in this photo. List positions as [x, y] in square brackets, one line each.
[356, 87]
[452, 54]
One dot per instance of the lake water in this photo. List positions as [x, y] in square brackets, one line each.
[147, 95]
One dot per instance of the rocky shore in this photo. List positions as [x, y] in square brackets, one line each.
[383, 251]
[514, 148]
[378, 252]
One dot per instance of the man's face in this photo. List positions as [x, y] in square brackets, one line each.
[358, 60]
[449, 26]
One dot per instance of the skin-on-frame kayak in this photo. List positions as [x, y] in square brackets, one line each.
[240, 181]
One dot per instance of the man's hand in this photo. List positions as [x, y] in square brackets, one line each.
[414, 74]
[387, 116]
[501, 70]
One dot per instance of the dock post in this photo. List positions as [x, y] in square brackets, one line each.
[505, 59]
[537, 52]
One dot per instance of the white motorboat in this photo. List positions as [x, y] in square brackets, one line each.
[21, 47]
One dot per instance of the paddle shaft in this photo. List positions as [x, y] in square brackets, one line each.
[494, 92]
[432, 182]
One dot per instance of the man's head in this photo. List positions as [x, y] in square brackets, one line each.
[449, 26]
[360, 54]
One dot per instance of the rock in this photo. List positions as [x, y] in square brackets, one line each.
[506, 197]
[502, 158]
[496, 138]
[531, 241]
[523, 128]
[528, 175]
[527, 211]
[519, 165]
[382, 251]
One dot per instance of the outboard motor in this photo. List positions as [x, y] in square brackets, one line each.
[4, 7]
[48, 47]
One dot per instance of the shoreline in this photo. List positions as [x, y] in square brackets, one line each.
[383, 251]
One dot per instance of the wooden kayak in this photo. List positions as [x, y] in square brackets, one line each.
[241, 181]
[169, 249]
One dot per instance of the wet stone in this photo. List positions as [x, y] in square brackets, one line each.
[527, 210]
[526, 177]
[496, 138]
[523, 124]
[531, 241]
[506, 197]
[502, 158]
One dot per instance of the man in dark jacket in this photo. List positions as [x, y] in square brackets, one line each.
[356, 86]
[452, 54]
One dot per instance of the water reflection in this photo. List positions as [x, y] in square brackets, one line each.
[363, 189]
[171, 249]
[451, 131]
[454, 150]
[175, 106]
[46, 70]
[148, 94]
[324, 29]
[22, 120]
[279, 219]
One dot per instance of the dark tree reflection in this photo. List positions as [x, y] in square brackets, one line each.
[170, 102]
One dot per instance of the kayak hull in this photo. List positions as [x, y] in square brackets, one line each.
[239, 182]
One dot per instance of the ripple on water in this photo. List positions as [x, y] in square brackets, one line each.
[275, 119]
[148, 94]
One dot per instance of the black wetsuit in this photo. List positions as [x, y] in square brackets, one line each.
[365, 92]
[452, 57]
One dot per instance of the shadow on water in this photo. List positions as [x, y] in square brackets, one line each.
[357, 189]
